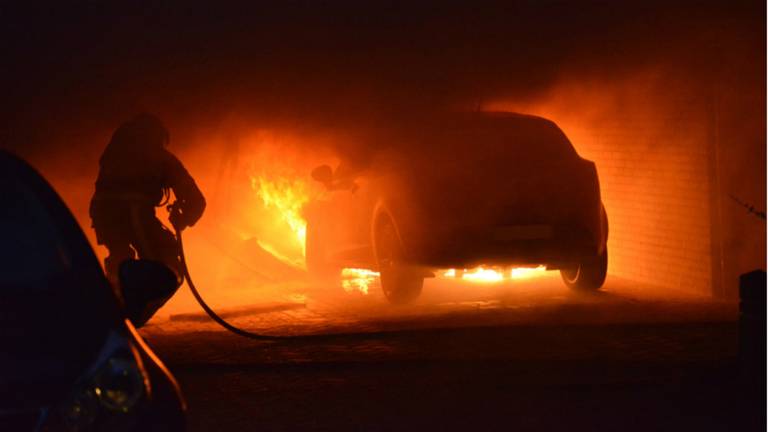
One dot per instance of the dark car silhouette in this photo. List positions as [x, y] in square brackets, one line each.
[70, 360]
[457, 191]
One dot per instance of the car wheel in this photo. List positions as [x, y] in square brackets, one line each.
[315, 250]
[400, 282]
[589, 275]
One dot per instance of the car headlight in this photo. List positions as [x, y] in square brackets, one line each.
[81, 410]
[116, 387]
[119, 385]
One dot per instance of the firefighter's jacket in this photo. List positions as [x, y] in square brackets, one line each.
[130, 178]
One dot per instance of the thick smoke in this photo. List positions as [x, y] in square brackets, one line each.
[294, 75]
[84, 68]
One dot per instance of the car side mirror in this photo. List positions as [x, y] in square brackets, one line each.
[145, 285]
[323, 174]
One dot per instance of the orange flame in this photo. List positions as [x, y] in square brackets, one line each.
[481, 274]
[288, 197]
[527, 272]
[353, 279]
[488, 275]
[285, 198]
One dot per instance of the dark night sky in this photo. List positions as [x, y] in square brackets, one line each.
[67, 67]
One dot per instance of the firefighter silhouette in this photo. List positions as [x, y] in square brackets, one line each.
[136, 174]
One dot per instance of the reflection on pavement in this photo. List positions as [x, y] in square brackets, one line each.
[306, 307]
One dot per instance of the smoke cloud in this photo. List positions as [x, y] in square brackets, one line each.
[294, 75]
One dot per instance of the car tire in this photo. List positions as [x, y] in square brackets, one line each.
[400, 282]
[589, 275]
[315, 250]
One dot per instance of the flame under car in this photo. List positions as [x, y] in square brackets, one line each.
[458, 191]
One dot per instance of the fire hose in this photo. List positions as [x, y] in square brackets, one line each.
[216, 317]
[210, 312]
[232, 328]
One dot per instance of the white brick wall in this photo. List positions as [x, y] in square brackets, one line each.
[653, 171]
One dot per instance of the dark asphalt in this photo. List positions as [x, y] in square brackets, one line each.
[540, 358]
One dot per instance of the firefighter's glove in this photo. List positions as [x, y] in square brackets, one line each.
[177, 219]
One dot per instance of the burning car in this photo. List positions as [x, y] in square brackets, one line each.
[458, 191]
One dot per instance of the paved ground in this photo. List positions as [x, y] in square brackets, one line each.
[525, 355]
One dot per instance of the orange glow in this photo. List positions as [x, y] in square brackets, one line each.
[353, 279]
[482, 274]
[527, 272]
[284, 198]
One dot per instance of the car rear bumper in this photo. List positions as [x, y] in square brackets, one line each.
[553, 246]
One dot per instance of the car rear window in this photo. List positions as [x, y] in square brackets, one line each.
[509, 138]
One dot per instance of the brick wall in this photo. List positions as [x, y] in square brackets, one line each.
[654, 173]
